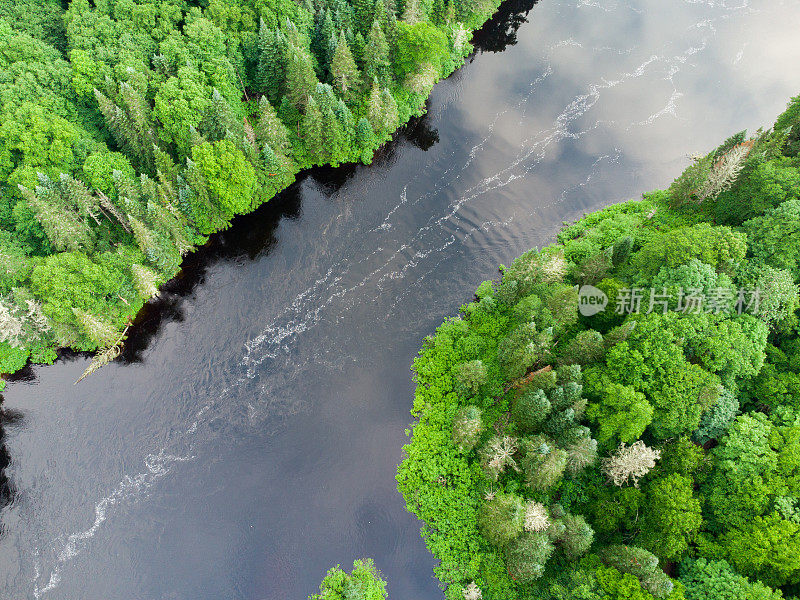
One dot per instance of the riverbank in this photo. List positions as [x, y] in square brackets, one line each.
[154, 165]
[564, 416]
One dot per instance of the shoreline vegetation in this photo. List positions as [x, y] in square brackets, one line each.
[131, 130]
[617, 417]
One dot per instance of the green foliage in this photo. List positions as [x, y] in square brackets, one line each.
[500, 519]
[169, 118]
[526, 556]
[756, 466]
[642, 565]
[467, 428]
[621, 415]
[716, 580]
[364, 582]
[231, 179]
[720, 247]
[672, 518]
[765, 184]
[622, 251]
[718, 418]
[768, 234]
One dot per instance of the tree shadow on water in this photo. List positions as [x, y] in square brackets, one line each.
[8, 418]
[500, 31]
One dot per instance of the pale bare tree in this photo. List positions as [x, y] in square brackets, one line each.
[630, 463]
[724, 172]
[472, 592]
[536, 517]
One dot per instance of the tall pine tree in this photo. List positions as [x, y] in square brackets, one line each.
[272, 62]
[346, 78]
[376, 60]
[312, 132]
[301, 80]
[321, 43]
[270, 129]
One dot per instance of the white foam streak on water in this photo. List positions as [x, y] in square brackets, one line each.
[414, 258]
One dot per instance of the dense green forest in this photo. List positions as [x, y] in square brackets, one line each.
[130, 130]
[646, 449]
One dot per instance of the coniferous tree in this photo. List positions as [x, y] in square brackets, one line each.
[375, 113]
[312, 131]
[467, 428]
[501, 518]
[270, 129]
[145, 280]
[138, 110]
[530, 409]
[388, 21]
[577, 536]
[321, 46]
[363, 14]
[527, 555]
[64, 227]
[272, 66]
[220, 120]
[346, 78]
[301, 81]
[376, 61]
[96, 329]
[413, 11]
[75, 193]
[365, 140]
[438, 13]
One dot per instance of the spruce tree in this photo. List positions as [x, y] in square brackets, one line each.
[301, 81]
[376, 61]
[390, 113]
[220, 120]
[413, 12]
[99, 331]
[543, 463]
[312, 131]
[363, 14]
[375, 111]
[530, 409]
[577, 536]
[75, 193]
[467, 428]
[501, 518]
[145, 280]
[270, 129]
[321, 43]
[527, 555]
[63, 226]
[365, 140]
[438, 13]
[272, 62]
[346, 78]
[389, 22]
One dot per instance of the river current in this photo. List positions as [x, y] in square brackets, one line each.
[248, 438]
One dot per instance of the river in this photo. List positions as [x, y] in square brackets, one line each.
[248, 438]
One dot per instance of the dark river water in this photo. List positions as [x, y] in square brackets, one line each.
[249, 437]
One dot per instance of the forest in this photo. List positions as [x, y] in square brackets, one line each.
[647, 445]
[131, 130]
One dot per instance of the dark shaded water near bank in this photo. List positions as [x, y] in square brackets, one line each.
[248, 439]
